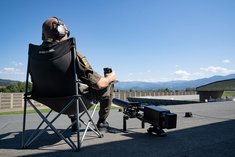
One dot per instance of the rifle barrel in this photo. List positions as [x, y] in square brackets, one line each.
[123, 103]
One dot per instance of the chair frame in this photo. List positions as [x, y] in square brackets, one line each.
[77, 98]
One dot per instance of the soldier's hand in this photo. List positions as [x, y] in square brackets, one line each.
[111, 76]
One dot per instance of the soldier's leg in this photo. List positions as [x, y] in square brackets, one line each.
[105, 105]
[103, 96]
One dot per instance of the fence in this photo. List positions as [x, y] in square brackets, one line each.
[16, 101]
[123, 95]
[12, 101]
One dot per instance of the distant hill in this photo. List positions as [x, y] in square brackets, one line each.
[4, 82]
[137, 85]
[172, 85]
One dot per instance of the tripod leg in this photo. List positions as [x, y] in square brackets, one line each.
[124, 123]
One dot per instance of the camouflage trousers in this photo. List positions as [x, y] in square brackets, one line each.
[104, 97]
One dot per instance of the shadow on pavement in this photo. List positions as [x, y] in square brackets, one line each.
[215, 140]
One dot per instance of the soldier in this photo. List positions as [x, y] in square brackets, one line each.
[96, 88]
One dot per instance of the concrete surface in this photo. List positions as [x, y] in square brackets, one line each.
[209, 133]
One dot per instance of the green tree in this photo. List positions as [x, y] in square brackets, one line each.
[190, 89]
[15, 88]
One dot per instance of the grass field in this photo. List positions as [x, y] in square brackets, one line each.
[229, 93]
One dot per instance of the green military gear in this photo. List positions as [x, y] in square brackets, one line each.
[90, 78]
[86, 73]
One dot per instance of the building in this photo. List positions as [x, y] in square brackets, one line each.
[215, 90]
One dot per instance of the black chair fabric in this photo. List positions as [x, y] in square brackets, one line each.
[51, 70]
[52, 74]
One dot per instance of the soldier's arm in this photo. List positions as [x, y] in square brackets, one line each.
[105, 81]
[97, 81]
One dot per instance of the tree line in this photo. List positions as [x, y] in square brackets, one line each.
[18, 87]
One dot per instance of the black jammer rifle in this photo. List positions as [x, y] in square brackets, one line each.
[158, 117]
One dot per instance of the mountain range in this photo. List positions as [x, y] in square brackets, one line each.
[4, 82]
[171, 85]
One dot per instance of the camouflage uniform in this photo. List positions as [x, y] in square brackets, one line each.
[90, 78]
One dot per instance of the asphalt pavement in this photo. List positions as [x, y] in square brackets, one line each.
[209, 132]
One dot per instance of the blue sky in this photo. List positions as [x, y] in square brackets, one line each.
[142, 40]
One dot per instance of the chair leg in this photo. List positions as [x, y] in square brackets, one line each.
[91, 120]
[78, 127]
[96, 131]
[24, 123]
[88, 125]
[36, 134]
[49, 124]
[53, 128]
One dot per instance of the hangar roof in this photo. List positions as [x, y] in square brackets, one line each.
[224, 85]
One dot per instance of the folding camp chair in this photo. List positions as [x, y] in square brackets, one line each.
[55, 84]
